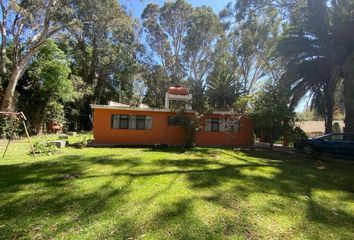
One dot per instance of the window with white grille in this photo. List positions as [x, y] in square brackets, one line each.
[134, 122]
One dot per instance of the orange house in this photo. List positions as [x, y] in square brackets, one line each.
[119, 124]
[138, 126]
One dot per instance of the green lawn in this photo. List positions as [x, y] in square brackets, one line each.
[103, 193]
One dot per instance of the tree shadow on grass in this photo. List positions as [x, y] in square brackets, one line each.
[48, 191]
[46, 197]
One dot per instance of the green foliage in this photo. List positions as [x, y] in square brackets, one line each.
[204, 29]
[27, 25]
[44, 148]
[183, 39]
[48, 86]
[271, 113]
[314, 49]
[157, 83]
[221, 89]
[165, 29]
[243, 104]
[81, 141]
[297, 134]
[190, 126]
[104, 51]
[9, 126]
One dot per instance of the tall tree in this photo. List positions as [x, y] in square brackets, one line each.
[221, 88]
[348, 69]
[28, 25]
[104, 46]
[252, 42]
[271, 113]
[307, 52]
[157, 84]
[223, 81]
[104, 50]
[47, 83]
[342, 29]
[166, 29]
[204, 29]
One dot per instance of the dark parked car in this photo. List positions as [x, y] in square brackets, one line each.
[335, 143]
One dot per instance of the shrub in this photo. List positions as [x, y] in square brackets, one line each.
[44, 148]
[9, 126]
[298, 134]
[190, 126]
[82, 142]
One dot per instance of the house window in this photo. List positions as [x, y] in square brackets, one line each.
[140, 122]
[115, 121]
[221, 125]
[232, 126]
[215, 125]
[124, 122]
[134, 122]
[148, 122]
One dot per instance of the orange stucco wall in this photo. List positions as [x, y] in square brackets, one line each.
[241, 138]
[161, 133]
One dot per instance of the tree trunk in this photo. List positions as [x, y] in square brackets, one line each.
[7, 104]
[39, 120]
[3, 43]
[329, 117]
[328, 111]
[349, 94]
[271, 143]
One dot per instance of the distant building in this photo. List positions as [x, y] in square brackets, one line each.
[316, 128]
[115, 124]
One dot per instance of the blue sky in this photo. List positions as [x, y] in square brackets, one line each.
[136, 7]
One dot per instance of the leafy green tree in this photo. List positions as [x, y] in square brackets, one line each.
[221, 89]
[243, 104]
[104, 50]
[252, 41]
[190, 124]
[104, 47]
[222, 82]
[306, 49]
[166, 29]
[204, 29]
[47, 84]
[28, 25]
[156, 83]
[271, 113]
[343, 37]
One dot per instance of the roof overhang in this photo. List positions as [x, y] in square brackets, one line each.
[97, 106]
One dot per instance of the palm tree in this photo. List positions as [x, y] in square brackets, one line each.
[221, 89]
[307, 52]
[343, 39]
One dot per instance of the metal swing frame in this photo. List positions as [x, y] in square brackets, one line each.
[21, 116]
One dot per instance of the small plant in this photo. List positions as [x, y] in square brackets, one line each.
[82, 142]
[44, 148]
